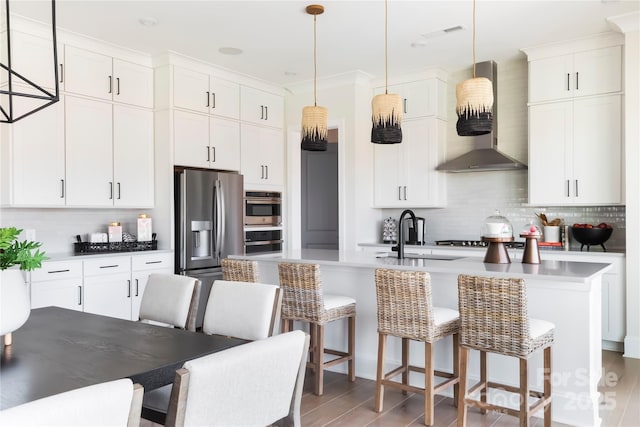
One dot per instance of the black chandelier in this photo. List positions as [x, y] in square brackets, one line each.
[17, 87]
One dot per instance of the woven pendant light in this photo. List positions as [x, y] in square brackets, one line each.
[386, 109]
[314, 118]
[474, 99]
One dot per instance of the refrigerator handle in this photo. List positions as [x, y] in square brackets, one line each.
[183, 221]
[222, 221]
[217, 200]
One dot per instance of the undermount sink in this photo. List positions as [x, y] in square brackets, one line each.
[422, 256]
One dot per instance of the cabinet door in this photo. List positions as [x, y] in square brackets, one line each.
[225, 98]
[259, 107]
[108, 295]
[133, 83]
[65, 293]
[191, 139]
[88, 73]
[89, 154]
[422, 151]
[597, 161]
[388, 191]
[262, 157]
[551, 78]
[133, 172]
[550, 141]
[191, 90]
[32, 57]
[419, 99]
[225, 144]
[38, 170]
[598, 71]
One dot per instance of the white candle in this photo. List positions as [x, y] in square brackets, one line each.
[144, 228]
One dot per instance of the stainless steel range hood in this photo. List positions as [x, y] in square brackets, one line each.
[485, 157]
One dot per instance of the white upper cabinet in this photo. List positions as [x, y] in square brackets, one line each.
[206, 142]
[575, 123]
[109, 154]
[32, 57]
[33, 159]
[261, 108]
[423, 98]
[585, 73]
[193, 90]
[262, 156]
[405, 174]
[101, 76]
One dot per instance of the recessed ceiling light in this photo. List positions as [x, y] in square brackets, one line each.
[148, 21]
[290, 73]
[230, 51]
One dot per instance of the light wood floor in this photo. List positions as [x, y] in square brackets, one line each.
[351, 404]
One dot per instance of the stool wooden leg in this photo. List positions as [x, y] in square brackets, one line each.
[462, 407]
[405, 363]
[286, 325]
[428, 383]
[8, 339]
[456, 368]
[547, 386]
[484, 381]
[524, 394]
[319, 359]
[351, 364]
[382, 343]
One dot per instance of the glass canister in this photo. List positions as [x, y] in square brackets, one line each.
[497, 227]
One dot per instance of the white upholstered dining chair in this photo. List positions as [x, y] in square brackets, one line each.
[171, 300]
[254, 384]
[113, 403]
[244, 310]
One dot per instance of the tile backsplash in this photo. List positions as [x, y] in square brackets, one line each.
[474, 196]
[57, 228]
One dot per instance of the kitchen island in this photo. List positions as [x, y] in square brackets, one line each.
[565, 293]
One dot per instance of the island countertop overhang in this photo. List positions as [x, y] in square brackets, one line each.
[563, 273]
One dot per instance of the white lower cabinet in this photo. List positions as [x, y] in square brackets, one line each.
[141, 267]
[107, 287]
[59, 284]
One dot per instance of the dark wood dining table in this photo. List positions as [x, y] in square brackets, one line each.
[58, 350]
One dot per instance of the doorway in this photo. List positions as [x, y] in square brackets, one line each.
[319, 196]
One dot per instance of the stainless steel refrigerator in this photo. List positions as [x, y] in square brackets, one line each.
[209, 221]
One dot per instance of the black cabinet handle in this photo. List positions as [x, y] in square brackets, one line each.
[137, 287]
[577, 193]
[129, 287]
[266, 112]
[213, 100]
[567, 188]
[110, 190]
[568, 86]
[266, 168]
[117, 85]
[79, 295]
[119, 192]
[399, 192]
[58, 271]
[61, 73]
[62, 188]
[214, 153]
[405, 105]
[109, 266]
[261, 171]
[262, 112]
[208, 155]
[577, 80]
[110, 84]
[207, 99]
[405, 192]
[153, 262]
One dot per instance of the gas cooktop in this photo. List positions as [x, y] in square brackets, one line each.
[475, 243]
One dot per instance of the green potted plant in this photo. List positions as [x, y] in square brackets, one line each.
[15, 304]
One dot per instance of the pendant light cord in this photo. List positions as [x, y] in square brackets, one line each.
[386, 51]
[315, 62]
[473, 41]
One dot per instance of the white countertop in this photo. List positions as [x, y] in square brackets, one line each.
[561, 271]
[66, 256]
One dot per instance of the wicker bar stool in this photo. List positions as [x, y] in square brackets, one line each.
[405, 310]
[493, 318]
[304, 300]
[238, 270]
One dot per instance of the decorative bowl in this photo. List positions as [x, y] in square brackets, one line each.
[591, 236]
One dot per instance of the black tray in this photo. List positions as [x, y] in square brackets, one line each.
[113, 247]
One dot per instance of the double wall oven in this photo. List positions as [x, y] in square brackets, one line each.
[262, 222]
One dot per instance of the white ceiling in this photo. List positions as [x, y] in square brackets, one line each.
[277, 36]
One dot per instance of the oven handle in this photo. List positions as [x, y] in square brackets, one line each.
[262, 201]
[261, 242]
